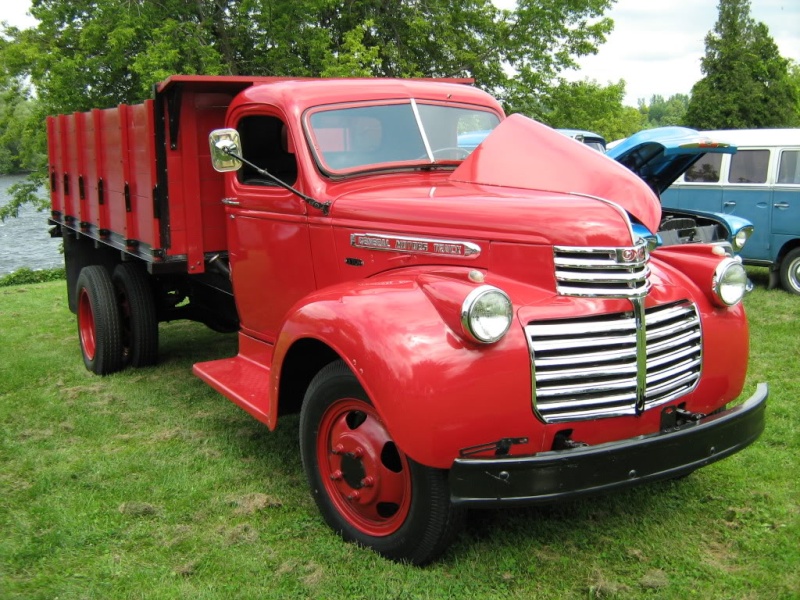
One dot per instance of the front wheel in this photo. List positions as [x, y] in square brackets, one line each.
[366, 488]
[790, 271]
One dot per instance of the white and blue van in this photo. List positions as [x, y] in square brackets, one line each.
[760, 183]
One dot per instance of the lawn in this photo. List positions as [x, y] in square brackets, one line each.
[148, 484]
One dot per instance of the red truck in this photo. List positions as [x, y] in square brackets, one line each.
[456, 326]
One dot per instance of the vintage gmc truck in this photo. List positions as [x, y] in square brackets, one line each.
[456, 327]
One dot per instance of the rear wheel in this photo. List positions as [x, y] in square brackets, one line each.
[99, 325]
[366, 488]
[137, 309]
[790, 271]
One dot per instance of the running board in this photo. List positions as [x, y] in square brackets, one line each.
[241, 379]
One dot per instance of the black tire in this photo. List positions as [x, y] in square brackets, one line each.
[99, 324]
[376, 497]
[137, 311]
[790, 272]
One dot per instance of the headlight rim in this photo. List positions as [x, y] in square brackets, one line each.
[746, 231]
[718, 279]
[469, 304]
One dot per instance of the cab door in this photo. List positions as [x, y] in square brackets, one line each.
[268, 237]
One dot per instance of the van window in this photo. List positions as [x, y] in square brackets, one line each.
[789, 169]
[705, 170]
[749, 166]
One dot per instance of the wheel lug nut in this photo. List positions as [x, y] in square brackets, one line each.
[358, 452]
[336, 475]
[354, 496]
[368, 481]
[337, 449]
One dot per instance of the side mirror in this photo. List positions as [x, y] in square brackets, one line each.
[225, 143]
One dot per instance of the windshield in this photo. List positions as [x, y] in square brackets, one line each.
[390, 136]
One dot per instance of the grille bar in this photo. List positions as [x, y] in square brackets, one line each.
[586, 368]
[602, 272]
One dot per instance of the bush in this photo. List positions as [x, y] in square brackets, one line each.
[26, 275]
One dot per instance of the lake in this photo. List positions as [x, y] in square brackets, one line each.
[25, 241]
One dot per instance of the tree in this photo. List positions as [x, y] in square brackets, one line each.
[19, 119]
[86, 54]
[794, 77]
[746, 82]
[96, 53]
[662, 113]
[590, 106]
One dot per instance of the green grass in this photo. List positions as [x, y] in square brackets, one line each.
[148, 484]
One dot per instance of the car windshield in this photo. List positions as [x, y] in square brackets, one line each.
[410, 134]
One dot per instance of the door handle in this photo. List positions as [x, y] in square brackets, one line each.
[230, 201]
[781, 205]
[729, 203]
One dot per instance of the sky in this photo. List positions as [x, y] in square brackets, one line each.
[656, 45]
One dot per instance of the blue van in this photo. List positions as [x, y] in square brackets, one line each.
[761, 183]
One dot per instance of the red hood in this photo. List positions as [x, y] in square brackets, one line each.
[521, 153]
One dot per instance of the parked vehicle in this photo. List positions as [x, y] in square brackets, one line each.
[593, 140]
[455, 330]
[761, 183]
[660, 156]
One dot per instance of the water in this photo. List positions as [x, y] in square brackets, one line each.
[25, 241]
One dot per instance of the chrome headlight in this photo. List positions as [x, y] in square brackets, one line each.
[741, 237]
[486, 314]
[730, 282]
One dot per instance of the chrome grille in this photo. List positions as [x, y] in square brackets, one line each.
[602, 272]
[586, 368]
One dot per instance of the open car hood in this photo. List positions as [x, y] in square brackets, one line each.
[522, 153]
[661, 155]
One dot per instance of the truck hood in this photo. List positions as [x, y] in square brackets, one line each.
[436, 207]
[521, 153]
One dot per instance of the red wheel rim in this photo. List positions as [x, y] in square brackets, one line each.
[366, 477]
[86, 325]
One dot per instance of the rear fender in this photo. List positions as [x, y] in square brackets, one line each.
[435, 391]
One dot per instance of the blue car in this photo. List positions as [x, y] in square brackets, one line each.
[593, 140]
[660, 156]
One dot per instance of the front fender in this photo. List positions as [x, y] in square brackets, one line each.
[436, 392]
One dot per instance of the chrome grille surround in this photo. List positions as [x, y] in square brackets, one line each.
[586, 368]
[602, 272]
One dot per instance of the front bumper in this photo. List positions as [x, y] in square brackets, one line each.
[557, 475]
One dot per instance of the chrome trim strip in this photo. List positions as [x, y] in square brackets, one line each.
[424, 135]
[413, 245]
[623, 213]
[641, 353]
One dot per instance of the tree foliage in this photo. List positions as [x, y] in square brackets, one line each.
[660, 112]
[746, 82]
[87, 54]
[95, 53]
[19, 118]
[593, 107]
